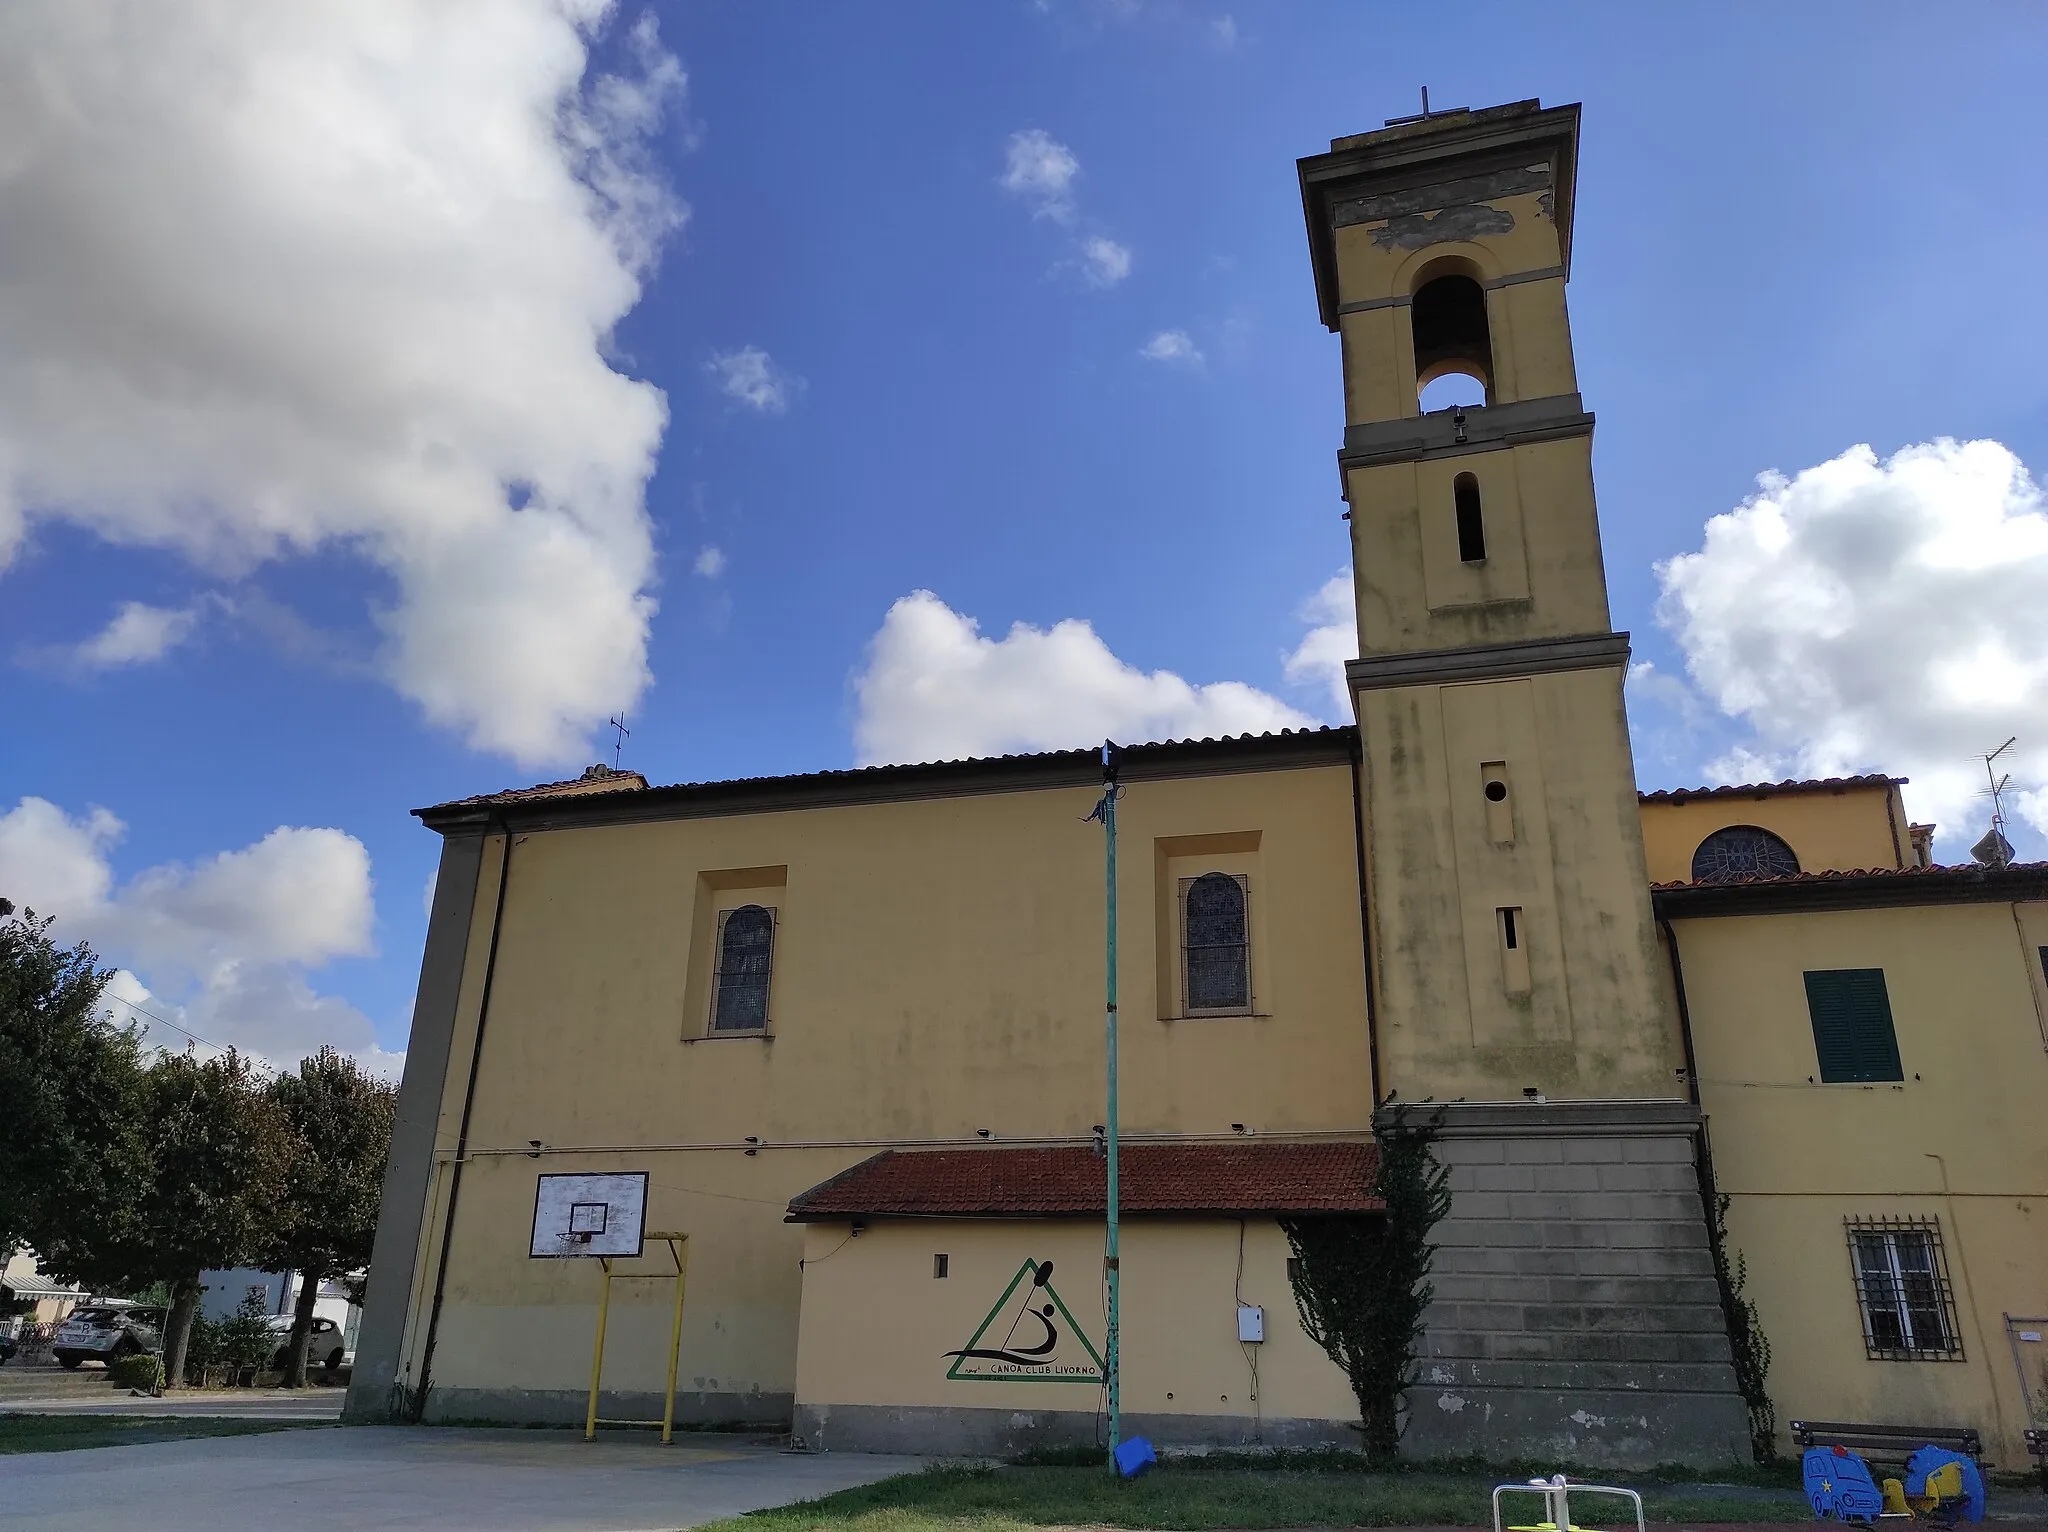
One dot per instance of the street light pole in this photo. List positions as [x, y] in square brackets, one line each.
[1112, 1368]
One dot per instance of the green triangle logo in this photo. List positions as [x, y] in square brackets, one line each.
[1030, 1336]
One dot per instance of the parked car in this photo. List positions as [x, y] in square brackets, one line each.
[6, 1347]
[106, 1335]
[324, 1348]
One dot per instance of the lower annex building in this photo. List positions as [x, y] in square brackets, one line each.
[849, 1025]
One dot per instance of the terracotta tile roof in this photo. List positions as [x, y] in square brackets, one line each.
[1224, 753]
[1771, 789]
[1968, 872]
[1069, 1180]
[1866, 888]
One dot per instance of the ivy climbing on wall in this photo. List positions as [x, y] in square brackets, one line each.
[1746, 1338]
[1361, 1281]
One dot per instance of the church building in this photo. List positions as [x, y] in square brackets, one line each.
[845, 1030]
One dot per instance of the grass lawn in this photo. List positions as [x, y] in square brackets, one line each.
[66, 1433]
[1194, 1496]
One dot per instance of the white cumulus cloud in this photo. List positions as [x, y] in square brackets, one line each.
[138, 634]
[710, 562]
[1172, 346]
[1041, 170]
[221, 947]
[1332, 640]
[1873, 614]
[935, 689]
[751, 376]
[1104, 262]
[341, 275]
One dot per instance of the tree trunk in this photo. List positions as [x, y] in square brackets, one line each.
[1379, 1422]
[178, 1330]
[302, 1330]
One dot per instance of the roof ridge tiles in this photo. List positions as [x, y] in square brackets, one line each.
[1756, 789]
[1843, 874]
[1077, 754]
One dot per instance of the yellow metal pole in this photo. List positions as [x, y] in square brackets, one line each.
[676, 1250]
[604, 1304]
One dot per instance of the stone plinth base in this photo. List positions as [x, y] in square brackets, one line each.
[1576, 1316]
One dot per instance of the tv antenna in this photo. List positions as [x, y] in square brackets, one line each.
[618, 722]
[1994, 850]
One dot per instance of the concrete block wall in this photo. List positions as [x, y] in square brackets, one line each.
[1576, 1316]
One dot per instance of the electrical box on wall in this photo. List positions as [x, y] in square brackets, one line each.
[1251, 1322]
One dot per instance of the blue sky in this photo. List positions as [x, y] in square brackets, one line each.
[1799, 229]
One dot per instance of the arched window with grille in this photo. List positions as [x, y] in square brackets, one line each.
[1216, 963]
[1742, 851]
[746, 948]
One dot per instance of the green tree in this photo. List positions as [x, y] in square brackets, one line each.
[219, 1154]
[72, 1148]
[339, 1120]
[1361, 1282]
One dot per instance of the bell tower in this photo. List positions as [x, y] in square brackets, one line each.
[1509, 899]
[1520, 1001]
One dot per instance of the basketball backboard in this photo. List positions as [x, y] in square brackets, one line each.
[589, 1215]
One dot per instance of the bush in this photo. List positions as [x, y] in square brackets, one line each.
[245, 1337]
[203, 1350]
[141, 1371]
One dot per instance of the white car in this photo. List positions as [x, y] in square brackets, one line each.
[324, 1348]
[105, 1335]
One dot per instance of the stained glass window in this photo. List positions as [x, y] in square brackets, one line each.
[746, 943]
[1742, 851]
[1216, 945]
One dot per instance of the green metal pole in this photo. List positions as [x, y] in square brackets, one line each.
[1111, 1352]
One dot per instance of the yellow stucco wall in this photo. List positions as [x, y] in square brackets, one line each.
[1843, 830]
[877, 1325]
[1542, 576]
[1596, 1020]
[1531, 344]
[1963, 1138]
[933, 977]
[1574, 1002]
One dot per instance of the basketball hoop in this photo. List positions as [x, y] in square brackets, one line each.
[589, 1216]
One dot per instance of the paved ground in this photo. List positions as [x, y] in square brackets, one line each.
[53, 1390]
[413, 1478]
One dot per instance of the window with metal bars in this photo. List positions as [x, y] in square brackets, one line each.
[1216, 967]
[746, 949]
[1902, 1289]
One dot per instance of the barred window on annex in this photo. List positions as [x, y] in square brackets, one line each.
[1902, 1288]
[1216, 945]
[746, 946]
[1742, 851]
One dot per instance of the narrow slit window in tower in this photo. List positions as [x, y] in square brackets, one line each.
[1471, 519]
[1514, 951]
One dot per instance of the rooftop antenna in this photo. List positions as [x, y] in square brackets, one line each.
[618, 722]
[1994, 850]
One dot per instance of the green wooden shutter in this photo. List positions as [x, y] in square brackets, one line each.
[1852, 1025]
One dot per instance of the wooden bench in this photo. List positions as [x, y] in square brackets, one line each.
[1888, 1444]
